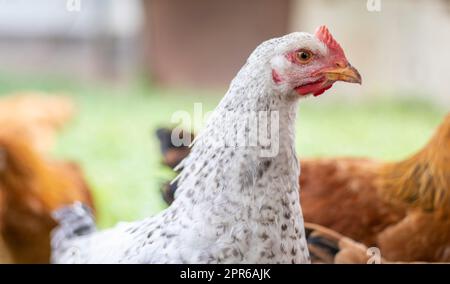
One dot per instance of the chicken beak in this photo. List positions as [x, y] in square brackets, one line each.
[346, 74]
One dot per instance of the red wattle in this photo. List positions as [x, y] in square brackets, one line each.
[321, 91]
[316, 88]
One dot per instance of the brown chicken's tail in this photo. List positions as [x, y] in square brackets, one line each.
[422, 180]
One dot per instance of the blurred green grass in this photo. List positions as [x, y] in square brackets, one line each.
[113, 139]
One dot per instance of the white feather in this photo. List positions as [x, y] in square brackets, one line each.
[225, 210]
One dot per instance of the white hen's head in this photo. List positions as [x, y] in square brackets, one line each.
[302, 63]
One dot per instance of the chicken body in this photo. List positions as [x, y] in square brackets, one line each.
[340, 194]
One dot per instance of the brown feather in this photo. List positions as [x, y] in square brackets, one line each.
[339, 193]
[421, 236]
[422, 180]
[32, 188]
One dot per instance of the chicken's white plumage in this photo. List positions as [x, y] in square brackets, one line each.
[233, 204]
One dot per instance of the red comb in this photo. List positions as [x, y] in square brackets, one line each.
[324, 35]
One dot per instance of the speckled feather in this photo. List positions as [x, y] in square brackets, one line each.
[233, 205]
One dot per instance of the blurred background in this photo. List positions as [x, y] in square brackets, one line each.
[129, 65]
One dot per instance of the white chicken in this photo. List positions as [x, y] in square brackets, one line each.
[238, 199]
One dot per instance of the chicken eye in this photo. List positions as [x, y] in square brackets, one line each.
[304, 56]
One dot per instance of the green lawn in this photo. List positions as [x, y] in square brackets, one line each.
[112, 137]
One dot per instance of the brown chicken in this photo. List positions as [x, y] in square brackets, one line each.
[36, 116]
[402, 208]
[31, 188]
[341, 194]
[423, 183]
